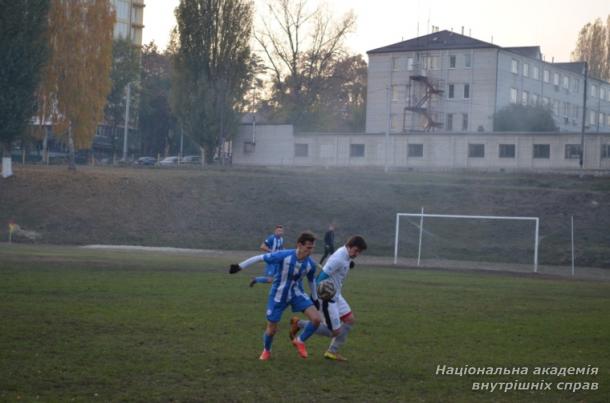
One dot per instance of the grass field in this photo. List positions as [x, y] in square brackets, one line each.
[235, 208]
[89, 325]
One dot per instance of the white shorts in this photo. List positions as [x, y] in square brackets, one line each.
[333, 312]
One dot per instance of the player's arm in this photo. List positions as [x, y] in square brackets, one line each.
[311, 279]
[266, 246]
[235, 267]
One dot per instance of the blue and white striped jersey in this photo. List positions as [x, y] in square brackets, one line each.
[288, 279]
[274, 243]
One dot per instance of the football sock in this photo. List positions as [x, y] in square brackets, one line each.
[307, 332]
[261, 279]
[338, 341]
[322, 330]
[267, 340]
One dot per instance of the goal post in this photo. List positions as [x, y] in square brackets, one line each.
[421, 216]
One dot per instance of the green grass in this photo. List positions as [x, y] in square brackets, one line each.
[88, 325]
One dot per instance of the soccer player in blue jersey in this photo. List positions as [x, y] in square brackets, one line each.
[272, 243]
[287, 290]
[337, 313]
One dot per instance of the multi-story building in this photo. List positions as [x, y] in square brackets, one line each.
[129, 20]
[449, 82]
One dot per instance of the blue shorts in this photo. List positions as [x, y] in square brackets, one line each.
[270, 270]
[275, 309]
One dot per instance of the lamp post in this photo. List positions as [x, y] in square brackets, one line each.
[126, 128]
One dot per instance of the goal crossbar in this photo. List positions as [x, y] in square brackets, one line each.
[536, 220]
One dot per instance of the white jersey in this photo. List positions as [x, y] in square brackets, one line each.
[337, 267]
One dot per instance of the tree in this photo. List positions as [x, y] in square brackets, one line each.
[23, 51]
[301, 47]
[521, 118]
[156, 118]
[593, 46]
[211, 68]
[125, 70]
[77, 78]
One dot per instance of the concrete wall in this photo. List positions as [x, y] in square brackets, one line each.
[279, 146]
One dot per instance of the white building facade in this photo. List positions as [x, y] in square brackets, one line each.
[447, 82]
[129, 20]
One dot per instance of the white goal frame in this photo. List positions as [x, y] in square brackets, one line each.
[493, 217]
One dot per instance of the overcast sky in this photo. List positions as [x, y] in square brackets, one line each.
[551, 24]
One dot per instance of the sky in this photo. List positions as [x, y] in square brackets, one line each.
[551, 24]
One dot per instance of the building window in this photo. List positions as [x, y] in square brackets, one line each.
[602, 118]
[572, 151]
[542, 151]
[594, 90]
[602, 93]
[433, 62]
[301, 150]
[467, 60]
[556, 107]
[556, 79]
[464, 122]
[535, 73]
[605, 150]
[122, 10]
[451, 91]
[535, 99]
[566, 82]
[396, 63]
[449, 121]
[395, 93]
[526, 70]
[395, 122]
[121, 30]
[592, 118]
[506, 151]
[410, 64]
[566, 109]
[513, 95]
[466, 91]
[452, 61]
[514, 66]
[546, 76]
[356, 150]
[476, 150]
[415, 150]
[525, 97]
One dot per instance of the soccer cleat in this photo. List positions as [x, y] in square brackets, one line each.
[265, 355]
[253, 281]
[334, 356]
[300, 346]
[294, 327]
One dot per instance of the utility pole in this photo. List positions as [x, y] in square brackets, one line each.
[584, 116]
[126, 129]
[388, 126]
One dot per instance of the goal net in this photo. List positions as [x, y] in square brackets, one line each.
[467, 238]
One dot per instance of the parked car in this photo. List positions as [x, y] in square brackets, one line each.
[146, 161]
[169, 162]
[191, 160]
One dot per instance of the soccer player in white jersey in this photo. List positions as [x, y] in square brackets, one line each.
[273, 243]
[287, 290]
[337, 313]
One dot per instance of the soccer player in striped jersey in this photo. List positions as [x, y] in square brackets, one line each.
[287, 290]
[337, 313]
[273, 243]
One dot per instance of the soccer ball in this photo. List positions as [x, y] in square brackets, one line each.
[326, 290]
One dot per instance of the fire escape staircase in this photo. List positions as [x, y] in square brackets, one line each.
[419, 106]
